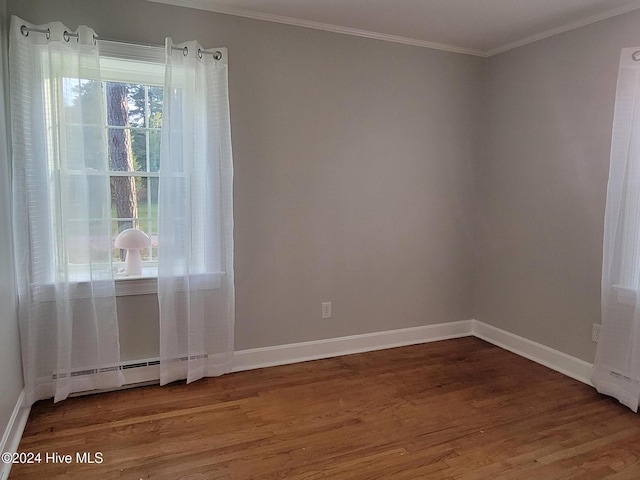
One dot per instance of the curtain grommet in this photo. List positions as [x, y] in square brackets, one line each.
[636, 56]
[199, 53]
[185, 51]
[24, 30]
[66, 36]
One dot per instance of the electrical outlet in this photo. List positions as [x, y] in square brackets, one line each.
[326, 310]
[595, 332]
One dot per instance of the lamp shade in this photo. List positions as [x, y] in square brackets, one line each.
[132, 240]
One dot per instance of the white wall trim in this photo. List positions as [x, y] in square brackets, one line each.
[213, 6]
[565, 28]
[13, 433]
[297, 22]
[334, 347]
[560, 362]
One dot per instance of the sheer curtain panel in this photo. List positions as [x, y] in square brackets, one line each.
[67, 307]
[195, 257]
[617, 368]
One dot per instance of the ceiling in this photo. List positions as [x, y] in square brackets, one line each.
[476, 27]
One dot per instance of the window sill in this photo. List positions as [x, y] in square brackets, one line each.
[145, 284]
[626, 295]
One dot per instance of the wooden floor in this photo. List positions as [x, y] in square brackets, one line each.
[457, 409]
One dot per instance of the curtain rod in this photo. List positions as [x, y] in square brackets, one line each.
[217, 55]
[185, 51]
[66, 35]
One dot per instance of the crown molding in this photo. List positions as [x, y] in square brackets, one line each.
[565, 28]
[213, 6]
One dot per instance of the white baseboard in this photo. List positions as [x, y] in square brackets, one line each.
[334, 347]
[13, 433]
[561, 362]
[300, 352]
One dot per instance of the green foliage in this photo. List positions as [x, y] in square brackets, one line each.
[139, 111]
[145, 111]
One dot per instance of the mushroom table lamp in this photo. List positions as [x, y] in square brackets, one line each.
[132, 240]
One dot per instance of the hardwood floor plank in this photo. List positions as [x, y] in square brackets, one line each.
[456, 409]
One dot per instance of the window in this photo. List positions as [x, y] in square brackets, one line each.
[133, 94]
[104, 137]
[132, 78]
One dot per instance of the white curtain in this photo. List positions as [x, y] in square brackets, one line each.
[67, 308]
[617, 367]
[195, 266]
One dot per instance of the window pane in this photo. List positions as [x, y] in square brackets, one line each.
[84, 197]
[143, 204]
[134, 200]
[82, 118]
[154, 150]
[116, 254]
[85, 155]
[137, 105]
[139, 149]
[82, 101]
[82, 242]
[120, 152]
[152, 195]
[124, 203]
[155, 107]
[98, 189]
[118, 106]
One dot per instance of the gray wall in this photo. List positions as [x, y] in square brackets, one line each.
[542, 184]
[10, 364]
[354, 173]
